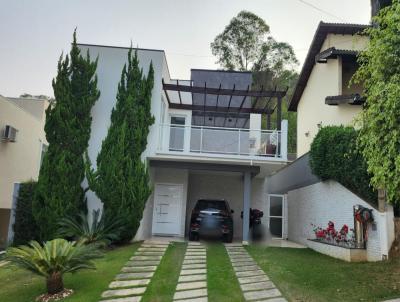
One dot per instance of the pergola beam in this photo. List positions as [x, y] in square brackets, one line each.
[218, 91]
[221, 109]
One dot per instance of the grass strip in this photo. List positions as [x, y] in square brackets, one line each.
[17, 285]
[162, 285]
[305, 275]
[221, 279]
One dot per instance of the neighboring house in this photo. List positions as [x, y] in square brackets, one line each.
[324, 96]
[22, 143]
[206, 141]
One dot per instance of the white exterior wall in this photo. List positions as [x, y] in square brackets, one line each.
[325, 80]
[329, 201]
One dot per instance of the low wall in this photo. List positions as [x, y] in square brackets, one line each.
[338, 252]
[330, 201]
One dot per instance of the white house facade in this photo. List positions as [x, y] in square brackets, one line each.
[206, 142]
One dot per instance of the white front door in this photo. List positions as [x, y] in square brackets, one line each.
[167, 212]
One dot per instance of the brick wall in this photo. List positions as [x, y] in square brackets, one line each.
[325, 201]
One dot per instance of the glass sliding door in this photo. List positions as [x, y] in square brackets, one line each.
[276, 215]
[177, 133]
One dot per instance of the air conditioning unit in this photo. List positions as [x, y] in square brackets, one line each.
[10, 134]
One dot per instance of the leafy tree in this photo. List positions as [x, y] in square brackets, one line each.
[68, 121]
[53, 259]
[334, 155]
[121, 180]
[246, 45]
[379, 71]
[25, 227]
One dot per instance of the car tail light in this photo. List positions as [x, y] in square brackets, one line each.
[195, 225]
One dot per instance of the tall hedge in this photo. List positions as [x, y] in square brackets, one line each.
[122, 180]
[334, 155]
[68, 120]
[25, 228]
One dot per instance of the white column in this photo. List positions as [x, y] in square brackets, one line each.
[284, 139]
[246, 205]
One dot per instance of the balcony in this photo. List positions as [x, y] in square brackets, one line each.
[234, 143]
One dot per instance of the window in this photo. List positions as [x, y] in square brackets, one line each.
[177, 133]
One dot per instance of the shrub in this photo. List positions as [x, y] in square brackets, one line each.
[53, 260]
[100, 231]
[25, 228]
[334, 155]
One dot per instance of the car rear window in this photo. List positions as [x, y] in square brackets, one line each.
[210, 204]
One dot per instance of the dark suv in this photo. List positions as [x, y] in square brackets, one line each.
[211, 218]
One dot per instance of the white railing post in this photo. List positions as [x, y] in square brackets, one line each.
[239, 143]
[284, 139]
[201, 139]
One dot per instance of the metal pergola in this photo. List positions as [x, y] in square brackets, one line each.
[238, 103]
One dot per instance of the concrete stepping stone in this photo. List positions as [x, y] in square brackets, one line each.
[133, 269]
[193, 271]
[244, 263]
[143, 263]
[196, 252]
[241, 259]
[194, 257]
[149, 254]
[201, 299]
[281, 299]
[192, 266]
[246, 268]
[191, 285]
[146, 258]
[123, 292]
[151, 249]
[191, 278]
[193, 243]
[257, 286]
[261, 278]
[250, 273]
[127, 299]
[262, 294]
[127, 276]
[129, 283]
[194, 261]
[194, 293]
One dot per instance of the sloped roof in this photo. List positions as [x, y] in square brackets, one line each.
[319, 37]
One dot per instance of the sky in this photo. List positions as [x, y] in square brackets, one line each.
[34, 33]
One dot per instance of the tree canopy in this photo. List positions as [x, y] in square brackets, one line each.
[379, 139]
[246, 44]
[121, 180]
[68, 120]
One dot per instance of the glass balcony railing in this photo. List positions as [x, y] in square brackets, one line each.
[221, 141]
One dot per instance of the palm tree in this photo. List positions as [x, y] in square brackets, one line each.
[53, 259]
[99, 231]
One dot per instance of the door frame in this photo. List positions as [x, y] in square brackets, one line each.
[283, 217]
[180, 207]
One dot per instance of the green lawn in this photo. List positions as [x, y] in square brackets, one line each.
[301, 274]
[163, 284]
[19, 285]
[221, 280]
[304, 275]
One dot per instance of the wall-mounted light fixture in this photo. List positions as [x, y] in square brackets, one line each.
[307, 134]
[319, 125]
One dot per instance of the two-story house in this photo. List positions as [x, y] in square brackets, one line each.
[324, 95]
[206, 141]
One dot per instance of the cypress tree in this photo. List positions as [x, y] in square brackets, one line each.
[122, 180]
[68, 121]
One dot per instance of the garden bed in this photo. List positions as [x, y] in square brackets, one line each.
[346, 253]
